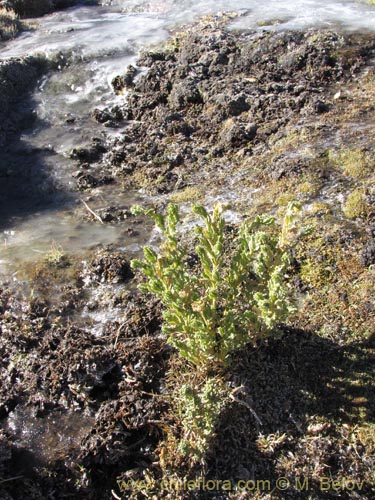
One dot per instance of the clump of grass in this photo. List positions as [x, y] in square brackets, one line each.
[316, 275]
[190, 193]
[56, 257]
[307, 188]
[356, 204]
[10, 24]
[329, 269]
[321, 208]
[354, 162]
[267, 444]
[284, 199]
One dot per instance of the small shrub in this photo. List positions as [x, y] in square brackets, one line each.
[226, 302]
[210, 313]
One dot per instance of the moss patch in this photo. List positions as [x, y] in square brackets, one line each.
[354, 162]
[356, 205]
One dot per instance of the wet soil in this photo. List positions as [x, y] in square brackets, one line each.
[214, 100]
[72, 397]
[215, 112]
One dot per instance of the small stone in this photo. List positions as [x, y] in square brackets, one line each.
[320, 107]
[317, 428]
[101, 115]
[367, 254]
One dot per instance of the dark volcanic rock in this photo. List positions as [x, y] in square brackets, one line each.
[236, 134]
[321, 106]
[232, 105]
[368, 253]
[5, 452]
[216, 91]
[119, 83]
[90, 154]
[184, 94]
[110, 267]
[101, 116]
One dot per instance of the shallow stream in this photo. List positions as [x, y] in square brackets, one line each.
[92, 44]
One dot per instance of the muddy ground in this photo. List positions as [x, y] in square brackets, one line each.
[256, 119]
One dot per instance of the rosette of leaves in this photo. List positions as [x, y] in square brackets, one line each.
[211, 312]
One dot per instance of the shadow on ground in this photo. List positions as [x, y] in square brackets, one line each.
[303, 404]
[27, 185]
[309, 394]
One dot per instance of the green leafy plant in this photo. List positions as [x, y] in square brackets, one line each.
[198, 409]
[231, 300]
[56, 256]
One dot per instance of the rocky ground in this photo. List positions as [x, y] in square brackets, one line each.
[255, 119]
